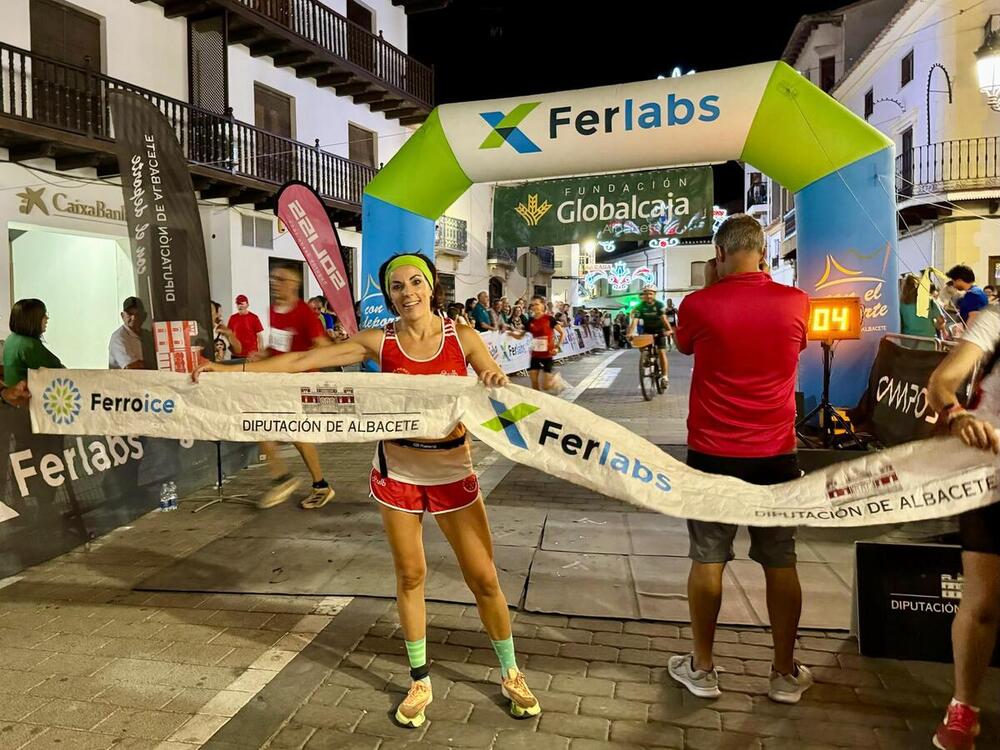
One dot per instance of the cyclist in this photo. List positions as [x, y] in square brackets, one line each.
[653, 315]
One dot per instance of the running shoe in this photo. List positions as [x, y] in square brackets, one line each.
[523, 703]
[281, 490]
[959, 729]
[701, 683]
[319, 497]
[788, 688]
[664, 384]
[410, 712]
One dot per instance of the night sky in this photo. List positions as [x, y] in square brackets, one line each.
[485, 49]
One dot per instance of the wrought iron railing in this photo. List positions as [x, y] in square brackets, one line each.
[967, 163]
[75, 100]
[546, 259]
[316, 23]
[757, 195]
[452, 235]
[505, 255]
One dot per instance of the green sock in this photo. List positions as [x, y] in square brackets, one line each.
[505, 653]
[416, 652]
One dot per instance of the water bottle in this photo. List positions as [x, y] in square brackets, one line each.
[164, 497]
[172, 496]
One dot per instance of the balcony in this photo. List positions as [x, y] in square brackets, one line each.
[503, 256]
[52, 110]
[546, 259]
[790, 223]
[966, 164]
[756, 196]
[320, 43]
[451, 236]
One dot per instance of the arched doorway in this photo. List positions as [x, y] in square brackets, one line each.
[496, 289]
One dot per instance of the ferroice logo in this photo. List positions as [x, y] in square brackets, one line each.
[505, 129]
[506, 421]
[61, 401]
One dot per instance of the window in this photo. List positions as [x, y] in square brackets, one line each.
[208, 64]
[258, 231]
[362, 145]
[906, 69]
[827, 73]
[906, 159]
[447, 282]
[360, 45]
[869, 103]
[698, 273]
[272, 111]
[65, 34]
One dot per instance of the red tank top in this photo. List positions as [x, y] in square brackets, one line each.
[423, 467]
[449, 360]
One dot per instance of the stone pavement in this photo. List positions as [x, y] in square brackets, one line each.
[86, 662]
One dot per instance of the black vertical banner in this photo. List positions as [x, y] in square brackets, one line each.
[168, 247]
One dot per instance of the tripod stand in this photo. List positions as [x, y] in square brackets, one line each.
[220, 497]
[829, 417]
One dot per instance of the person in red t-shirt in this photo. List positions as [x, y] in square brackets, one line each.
[745, 332]
[294, 328]
[543, 328]
[246, 326]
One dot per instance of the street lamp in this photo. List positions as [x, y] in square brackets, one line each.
[988, 63]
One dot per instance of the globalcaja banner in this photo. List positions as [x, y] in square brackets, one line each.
[168, 247]
[911, 482]
[630, 206]
[303, 213]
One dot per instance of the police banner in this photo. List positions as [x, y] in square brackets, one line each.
[916, 481]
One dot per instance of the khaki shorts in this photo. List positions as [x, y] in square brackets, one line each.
[773, 546]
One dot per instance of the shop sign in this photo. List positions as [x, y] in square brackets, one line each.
[35, 201]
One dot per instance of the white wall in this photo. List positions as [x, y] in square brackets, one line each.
[82, 281]
[475, 207]
[319, 112]
[826, 40]
[679, 260]
[140, 45]
[937, 34]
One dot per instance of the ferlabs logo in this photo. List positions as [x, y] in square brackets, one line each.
[61, 401]
[507, 419]
[506, 130]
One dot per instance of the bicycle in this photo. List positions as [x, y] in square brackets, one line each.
[649, 366]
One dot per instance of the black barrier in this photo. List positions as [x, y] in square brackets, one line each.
[907, 598]
[894, 408]
[69, 490]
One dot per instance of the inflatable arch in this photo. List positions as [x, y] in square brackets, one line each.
[840, 169]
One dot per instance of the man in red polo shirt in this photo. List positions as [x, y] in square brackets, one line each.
[745, 332]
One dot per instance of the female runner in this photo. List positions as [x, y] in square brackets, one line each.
[409, 478]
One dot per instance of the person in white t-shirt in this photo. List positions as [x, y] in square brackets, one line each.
[125, 350]
[974, 630]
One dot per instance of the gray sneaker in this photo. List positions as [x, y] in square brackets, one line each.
[787, 688]
[280, 490]
[701, 683]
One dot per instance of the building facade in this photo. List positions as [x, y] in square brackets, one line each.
[258, 93]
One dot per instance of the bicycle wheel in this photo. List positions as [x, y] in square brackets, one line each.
[645, 368]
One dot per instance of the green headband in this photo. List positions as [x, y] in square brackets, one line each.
[408, 260]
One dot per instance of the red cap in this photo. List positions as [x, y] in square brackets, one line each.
[242, 300]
